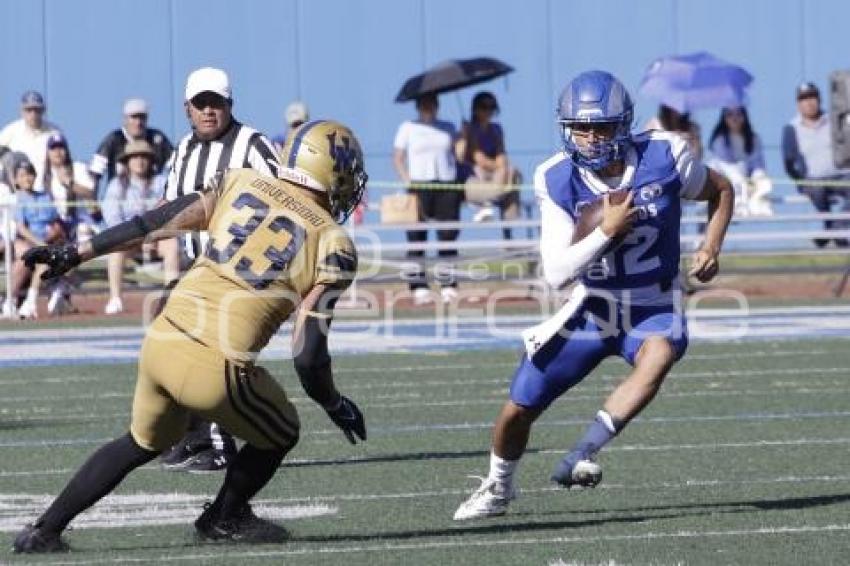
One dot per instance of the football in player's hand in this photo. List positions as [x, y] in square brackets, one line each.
[590, 216]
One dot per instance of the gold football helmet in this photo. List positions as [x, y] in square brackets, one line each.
[325, 156]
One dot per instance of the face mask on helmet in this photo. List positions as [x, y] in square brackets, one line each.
[595, 101]
[326, 157]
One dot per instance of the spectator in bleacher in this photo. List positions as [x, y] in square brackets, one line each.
[424, 154]
[807, 155]
[68, 181]
[37, 223]
[296, 114]
[671, 120]
[135, 127]
[484, 166]
[135, 190]
[29, 134]
[736, 151]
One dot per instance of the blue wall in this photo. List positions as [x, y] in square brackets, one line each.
[347, 58]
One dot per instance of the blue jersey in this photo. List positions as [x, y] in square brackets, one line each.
[659, 172]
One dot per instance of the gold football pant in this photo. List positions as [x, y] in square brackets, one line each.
[178, 375]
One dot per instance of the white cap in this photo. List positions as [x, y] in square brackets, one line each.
[297, 112]
[135, 106]
[208, 79]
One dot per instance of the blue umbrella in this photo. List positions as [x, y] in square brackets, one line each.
[696, 80]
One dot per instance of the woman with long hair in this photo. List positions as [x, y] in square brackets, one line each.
[736, 151]
[484, 164]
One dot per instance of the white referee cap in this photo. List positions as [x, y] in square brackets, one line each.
[208, 79]
[135, 106]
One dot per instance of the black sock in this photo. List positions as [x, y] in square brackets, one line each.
[97, 477]
[250, 470]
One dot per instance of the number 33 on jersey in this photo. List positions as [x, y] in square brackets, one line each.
[269, 245]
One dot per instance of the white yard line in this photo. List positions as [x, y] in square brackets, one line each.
[35, 413]
[447, 427]
[140, 509]
[466, 542]
[614, 448]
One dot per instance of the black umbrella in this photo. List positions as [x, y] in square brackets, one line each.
[452, 75]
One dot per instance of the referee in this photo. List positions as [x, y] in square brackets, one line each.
[216, 143]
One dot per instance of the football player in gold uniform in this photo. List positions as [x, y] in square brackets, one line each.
[276, 246]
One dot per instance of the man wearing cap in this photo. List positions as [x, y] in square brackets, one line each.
[217, 142]
[29, 134]
[135, 127]
[807, 155]
[295, 115]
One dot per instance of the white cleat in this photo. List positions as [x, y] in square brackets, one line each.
[114, 306]
[491, 499]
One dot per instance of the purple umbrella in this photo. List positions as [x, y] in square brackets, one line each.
[696, 80]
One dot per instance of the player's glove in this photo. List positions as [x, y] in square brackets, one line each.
[349, 419]
[59, 259]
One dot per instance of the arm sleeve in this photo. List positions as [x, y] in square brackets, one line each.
[791, 153]
[110, 206]
[6, 135]
[100, 159]
[262, 157]
[20, 216]
[171, 180]
[562, 262]
[692, 172]
[402, 137]
[337, 260]
[756, 158]
[500, 139]
[82, 176]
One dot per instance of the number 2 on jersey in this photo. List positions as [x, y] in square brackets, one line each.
[279, 258]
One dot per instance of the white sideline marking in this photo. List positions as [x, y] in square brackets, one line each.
[391, 547]
[138, 510]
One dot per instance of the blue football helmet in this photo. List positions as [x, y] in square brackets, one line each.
[595, 97]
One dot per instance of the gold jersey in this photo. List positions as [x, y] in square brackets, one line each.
[269, 245]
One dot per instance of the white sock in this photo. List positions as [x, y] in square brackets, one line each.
[32, 294]
[502, 470]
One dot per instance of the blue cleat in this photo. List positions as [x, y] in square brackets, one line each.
[579, 473]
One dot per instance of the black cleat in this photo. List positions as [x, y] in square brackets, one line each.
[240, 527]
[208, 461]
[33, 539]
[180, 455]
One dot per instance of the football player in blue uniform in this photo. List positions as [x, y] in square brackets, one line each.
[627, 301]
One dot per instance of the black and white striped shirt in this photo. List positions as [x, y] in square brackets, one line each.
[196, 161]
[238, 147]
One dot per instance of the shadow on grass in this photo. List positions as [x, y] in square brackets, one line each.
[509, 524]
[390, 458]
[790, 504]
